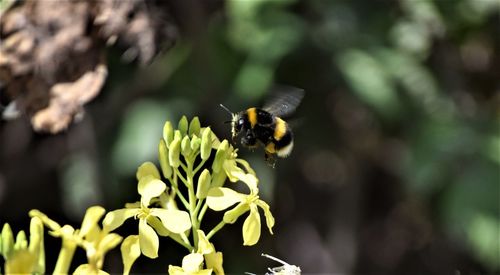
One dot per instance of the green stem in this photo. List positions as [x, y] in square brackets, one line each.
[197, 209]
[181, 197]
[182, 241]
[181, 177]
[202, 212]
[65, 257]
[199, 167]
[192, 201]
[215, 229]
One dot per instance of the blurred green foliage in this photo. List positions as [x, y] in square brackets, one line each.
[421, 74]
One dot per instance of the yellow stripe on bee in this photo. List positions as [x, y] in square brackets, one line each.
[252, 116]
[270, 148]
[280, 129]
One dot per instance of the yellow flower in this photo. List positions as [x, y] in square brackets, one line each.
[221, 198]
[90, 236]
[151, 220]
[191, 265]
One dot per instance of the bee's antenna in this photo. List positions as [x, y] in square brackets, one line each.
[225, 108]
[229, 121]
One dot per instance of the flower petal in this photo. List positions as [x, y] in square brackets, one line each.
[131, 250]
[85, 269]
[232, 215]
[192, 262]
[158, 226]
[214, 262]
[175, 270]
[147, 169]
[204, 246]
[92, 216]
[267, 213]
[246, 165]
[251, 227]
[176, 221]
[148, 240]
[115, 218]
[235, 173]
[150, 187]
[109, 242]
[220, 198]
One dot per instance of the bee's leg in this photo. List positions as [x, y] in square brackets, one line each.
[270, 160]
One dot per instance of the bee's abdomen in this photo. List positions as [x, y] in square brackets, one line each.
[283, 138]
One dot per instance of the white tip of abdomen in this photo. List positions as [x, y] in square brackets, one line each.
[285, 151]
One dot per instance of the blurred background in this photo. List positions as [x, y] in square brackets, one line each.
[396, 166]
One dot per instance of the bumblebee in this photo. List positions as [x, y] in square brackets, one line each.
[266, 126]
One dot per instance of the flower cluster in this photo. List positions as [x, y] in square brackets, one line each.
[193, 168]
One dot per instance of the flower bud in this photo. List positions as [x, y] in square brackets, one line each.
[186, 146]
[36, 243]
[7, 241]
[203, 184]
[206, 143]
[174, 152]
[194, 126]
[183, 125]
[195, 143]
[168, 132]
[220, 156]
[163, 158]
[218, 179]
[21, 241]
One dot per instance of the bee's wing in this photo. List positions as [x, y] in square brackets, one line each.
[284, 101]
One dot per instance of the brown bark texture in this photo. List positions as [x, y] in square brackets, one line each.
[53, 53]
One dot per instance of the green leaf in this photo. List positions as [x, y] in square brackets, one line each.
[148, 240]
[220, 198]
[183, 125]
[131, 250]
[176, 221]
[203, 185]
[206, 143]
[150, 187]
[194, 126]
[251, 227]
[163, 158]
[116, 218]
[92, 216]
[147, 169]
